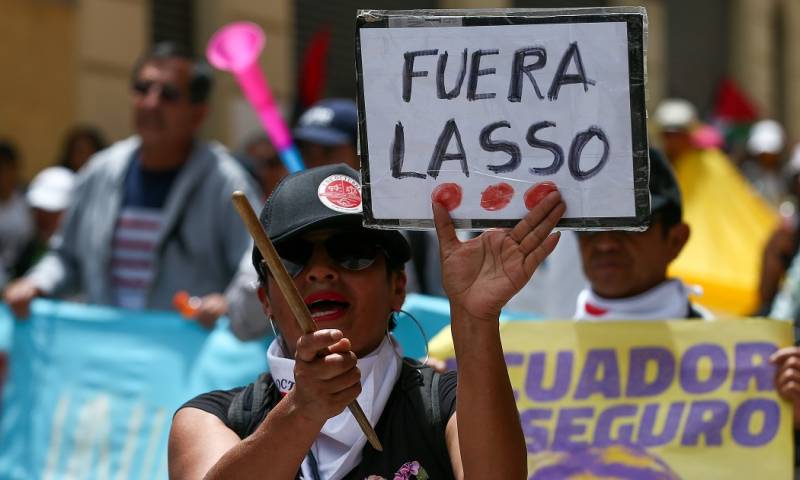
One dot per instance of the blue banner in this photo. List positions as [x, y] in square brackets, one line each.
[91, 390]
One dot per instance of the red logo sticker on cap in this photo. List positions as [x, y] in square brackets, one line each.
[340, 193]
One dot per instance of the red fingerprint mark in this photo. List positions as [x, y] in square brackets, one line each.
[497, 196]
[536, 193]
[447, 195]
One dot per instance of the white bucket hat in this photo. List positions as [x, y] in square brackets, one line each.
[51, 189]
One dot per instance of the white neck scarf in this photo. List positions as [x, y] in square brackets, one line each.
[668, 300]
[337, 449]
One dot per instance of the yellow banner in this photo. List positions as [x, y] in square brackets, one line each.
[649, 400]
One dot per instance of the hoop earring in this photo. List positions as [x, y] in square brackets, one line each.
[419, 327]
[392, 342]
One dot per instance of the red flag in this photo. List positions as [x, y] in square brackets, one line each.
[732, 105]
[313, 71]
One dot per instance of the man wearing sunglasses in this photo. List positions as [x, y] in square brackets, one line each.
[152, 214]
[292, 423]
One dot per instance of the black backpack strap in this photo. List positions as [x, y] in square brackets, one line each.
[435, 406]
[430, 397]
[422, 383]
[251, 404]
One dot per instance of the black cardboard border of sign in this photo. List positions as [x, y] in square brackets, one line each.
[636, 86]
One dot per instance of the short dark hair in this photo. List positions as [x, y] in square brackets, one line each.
[668, 216]
[200, 80]
[76, 133]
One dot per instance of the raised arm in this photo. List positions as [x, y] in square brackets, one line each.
[480, 276]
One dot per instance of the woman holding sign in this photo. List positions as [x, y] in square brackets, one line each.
[291, 424]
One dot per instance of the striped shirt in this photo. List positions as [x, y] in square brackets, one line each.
[133, 251]
[133, 255]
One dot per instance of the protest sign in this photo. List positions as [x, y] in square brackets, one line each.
[486, 110]
[656, 399]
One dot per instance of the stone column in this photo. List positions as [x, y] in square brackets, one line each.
[753, 53]
[791, 31]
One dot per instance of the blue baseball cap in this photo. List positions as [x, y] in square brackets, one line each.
[329, 122]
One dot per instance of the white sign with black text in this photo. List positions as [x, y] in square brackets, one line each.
[480, 116]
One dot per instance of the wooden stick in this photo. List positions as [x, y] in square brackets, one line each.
[292, 296]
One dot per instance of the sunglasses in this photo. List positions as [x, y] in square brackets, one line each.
[352, 251]
[167, 93]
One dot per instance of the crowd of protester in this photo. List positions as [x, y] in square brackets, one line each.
[764, 158]
[125, 225]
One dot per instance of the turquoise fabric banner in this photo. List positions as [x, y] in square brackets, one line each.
[91, 390]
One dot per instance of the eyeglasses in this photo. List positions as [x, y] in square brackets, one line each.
[350, 250]
[167, 93]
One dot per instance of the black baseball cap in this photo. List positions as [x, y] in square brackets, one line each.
[329, 122]
[323, 197]
[664, 190]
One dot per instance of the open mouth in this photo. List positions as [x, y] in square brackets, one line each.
[326, 306]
